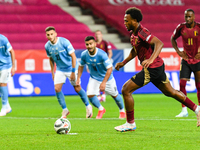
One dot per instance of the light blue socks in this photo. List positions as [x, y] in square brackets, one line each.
[119, 101]
[95, 101]
[84, 97]
[61, 99]
[4, 95]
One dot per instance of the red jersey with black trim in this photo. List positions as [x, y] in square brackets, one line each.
[104, 45]
[190, 39]
[141, 44]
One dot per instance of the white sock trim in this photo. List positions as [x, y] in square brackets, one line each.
[197, 110]
[184, 109]
[101, 107]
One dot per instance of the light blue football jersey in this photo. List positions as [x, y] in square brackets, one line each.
[97, 64]
[5, 57]
[60, 52]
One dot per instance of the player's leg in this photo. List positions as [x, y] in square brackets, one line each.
[169, 91]
[111, 89]
[197, 82]
[185, 72]
[4, 78]
[92, 92]
[59, 80]
[184, 112]
[128, 88]
[81, 92]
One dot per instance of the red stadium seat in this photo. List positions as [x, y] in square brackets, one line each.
[160, 19]
[24, 24]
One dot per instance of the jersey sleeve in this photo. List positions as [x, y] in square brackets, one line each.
[177, 32]
[109, 47]
[83, 59]
[145, 35]
[106, 61]
[47, 51]
[68, 46]
[7, 44]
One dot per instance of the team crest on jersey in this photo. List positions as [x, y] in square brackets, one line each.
[134, 40]
[184, 33]
[94, 60]
[195, 33]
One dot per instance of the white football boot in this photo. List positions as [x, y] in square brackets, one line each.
[89, 113]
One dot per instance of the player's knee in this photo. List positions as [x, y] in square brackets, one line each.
[57, 89]
[124, 91]
[77, 88]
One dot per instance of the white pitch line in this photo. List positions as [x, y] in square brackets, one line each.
[177, 119]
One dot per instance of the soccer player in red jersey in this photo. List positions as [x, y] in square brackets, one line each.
[189, 31]
[147, 48]
[105, 46]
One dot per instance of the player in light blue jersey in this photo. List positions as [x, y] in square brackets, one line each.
[61, 52]
[101, 76]
[7, 69]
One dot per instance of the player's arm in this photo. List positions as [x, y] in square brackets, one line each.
[103, 83]
[12, 53]
[72, 76]
[109, 48]
[197, 56]
[80, 71]
[51, 61]
[175, 46]
[131, 55]
[158, 45]
[110, 53]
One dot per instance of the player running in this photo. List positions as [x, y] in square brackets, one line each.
[147, 47]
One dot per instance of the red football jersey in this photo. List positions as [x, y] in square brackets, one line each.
[190, 38]
[104, 45]
[141, 43]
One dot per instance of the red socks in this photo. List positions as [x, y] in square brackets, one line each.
[130, 116]
[190, 104]
[198, 91]
[182, 88]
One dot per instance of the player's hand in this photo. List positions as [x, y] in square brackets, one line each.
[102, 86]
[197, 56]
[146, 63]
[119, 65]
[12, 71]
[72, 76]
[78, 81]
[183, 55]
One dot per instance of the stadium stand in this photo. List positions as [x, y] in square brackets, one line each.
[24, 23]
[160, 17]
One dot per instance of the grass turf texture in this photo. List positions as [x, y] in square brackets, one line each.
[30, 125]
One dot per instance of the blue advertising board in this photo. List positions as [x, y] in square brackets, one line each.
[41, 84]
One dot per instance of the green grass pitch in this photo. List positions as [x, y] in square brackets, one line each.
[30, 125]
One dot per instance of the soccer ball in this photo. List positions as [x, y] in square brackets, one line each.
[62, 126]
